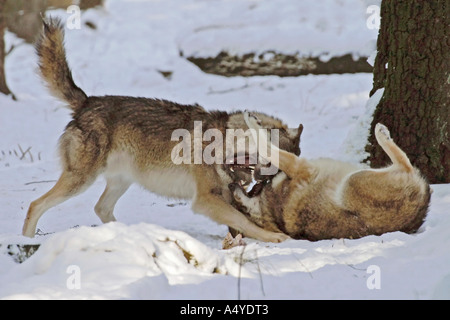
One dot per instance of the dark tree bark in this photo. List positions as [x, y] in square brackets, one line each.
[413, 65]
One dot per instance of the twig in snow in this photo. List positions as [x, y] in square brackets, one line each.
[239, 274]
[25, 152]
[260, 274]
[42, 181]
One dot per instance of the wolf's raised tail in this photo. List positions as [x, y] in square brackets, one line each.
[54, 67]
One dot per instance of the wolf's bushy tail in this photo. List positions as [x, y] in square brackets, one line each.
[54, 67]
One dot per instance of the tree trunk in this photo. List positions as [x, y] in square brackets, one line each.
[3, 85]
[23, 17]
[413, 65]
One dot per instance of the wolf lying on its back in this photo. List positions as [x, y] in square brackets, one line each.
[129, 140]
[325, 199]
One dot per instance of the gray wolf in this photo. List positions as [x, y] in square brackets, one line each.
[325, 198]
[128, 140]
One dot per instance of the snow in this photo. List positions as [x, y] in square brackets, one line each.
[160, 249]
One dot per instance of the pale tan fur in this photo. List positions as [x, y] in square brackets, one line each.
[322, 199]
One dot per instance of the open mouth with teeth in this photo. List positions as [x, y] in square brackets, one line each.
[244, 171]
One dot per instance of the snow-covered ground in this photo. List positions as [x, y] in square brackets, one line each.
[160, 249]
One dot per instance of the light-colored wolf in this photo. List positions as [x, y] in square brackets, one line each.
[129, 140]
[323, 199]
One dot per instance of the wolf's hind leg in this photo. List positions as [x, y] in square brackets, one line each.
[69, 185]
[115, 187]
[397, 156]
[82, 156]
[391, 199]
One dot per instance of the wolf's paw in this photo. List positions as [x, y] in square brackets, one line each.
[277, 237]
[382, 133]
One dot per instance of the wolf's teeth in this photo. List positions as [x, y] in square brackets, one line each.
[232, 170]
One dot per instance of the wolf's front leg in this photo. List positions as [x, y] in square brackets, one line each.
[289, 163]
[215, 207]
[223, 213]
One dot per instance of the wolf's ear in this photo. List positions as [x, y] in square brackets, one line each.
[299, 130]
[296, 133]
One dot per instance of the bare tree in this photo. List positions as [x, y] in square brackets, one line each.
[413, 65]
